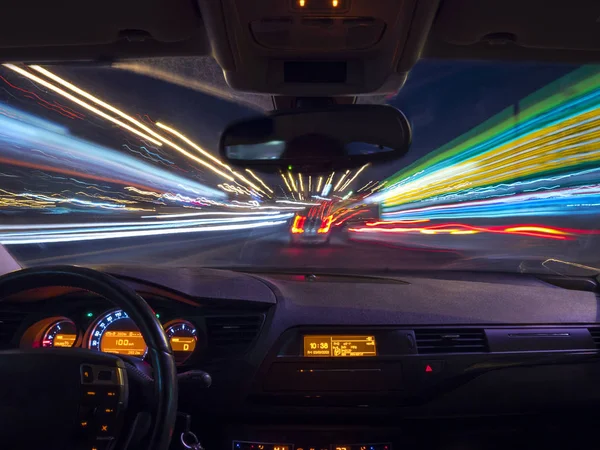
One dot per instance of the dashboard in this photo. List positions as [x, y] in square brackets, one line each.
[113, 331]
[345, 363]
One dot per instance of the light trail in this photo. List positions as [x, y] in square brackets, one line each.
[158, 141]
[464, 229]
[344, 175]
[208, 155]
[285, 181]
[301, 184]
[103, 226]
[289, 202]
[292, 183]
[354, 177]
[260, 181]
[130, 234]
[96, 100]
[81, 103]
[319, 184]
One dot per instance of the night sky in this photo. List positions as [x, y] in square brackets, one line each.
[442, 100]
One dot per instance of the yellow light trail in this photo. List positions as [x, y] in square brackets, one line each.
[355, 175]
[344, 186]
[569, 142]
[191, 143]
[344, 175]
[260, 181]
[112, 119]
[330, 179]
[139, 191]
[78, 101]
[292, 183]
[301, 184]
[535, 230]
[309, 183]
[320, 182]
[196, 147]
[96, 100]
[286, 181]
[365, 186]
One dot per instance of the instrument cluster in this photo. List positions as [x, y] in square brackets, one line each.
[114, 332]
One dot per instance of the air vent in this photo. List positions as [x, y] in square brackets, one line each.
[10, 322]
[595, 332]
[232, 334]
[464, 340]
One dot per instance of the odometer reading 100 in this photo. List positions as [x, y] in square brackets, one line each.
[339, 346]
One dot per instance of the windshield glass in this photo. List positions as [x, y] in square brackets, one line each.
[119, 165]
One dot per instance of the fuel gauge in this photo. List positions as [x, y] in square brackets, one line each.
[183, 338]
[62, 333]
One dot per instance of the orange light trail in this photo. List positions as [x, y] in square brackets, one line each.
[464, 229]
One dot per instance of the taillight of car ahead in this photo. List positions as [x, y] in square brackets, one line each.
[298, 225]
[325, 225]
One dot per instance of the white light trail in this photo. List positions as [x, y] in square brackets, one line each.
[115, 121]
[138, 233]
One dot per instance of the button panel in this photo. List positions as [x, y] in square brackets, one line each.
[103, 400]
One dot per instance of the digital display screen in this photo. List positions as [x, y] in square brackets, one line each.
[123, 343]
[183, 343]
[64, 340]
[339, 346]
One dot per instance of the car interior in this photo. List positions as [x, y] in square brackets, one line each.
[255, 359]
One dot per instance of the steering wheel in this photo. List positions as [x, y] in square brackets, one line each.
[55, 398]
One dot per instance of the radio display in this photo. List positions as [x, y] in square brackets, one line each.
[339, 346]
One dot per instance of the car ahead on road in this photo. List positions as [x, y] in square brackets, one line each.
[312, 227]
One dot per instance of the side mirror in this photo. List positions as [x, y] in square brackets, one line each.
[317, 141]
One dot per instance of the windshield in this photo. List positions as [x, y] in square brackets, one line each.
[107, 165]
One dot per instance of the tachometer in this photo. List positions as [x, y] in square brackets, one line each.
[62, 333]
[115, 332]
[183, 338]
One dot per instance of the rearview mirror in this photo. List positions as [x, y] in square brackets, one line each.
[318, 141]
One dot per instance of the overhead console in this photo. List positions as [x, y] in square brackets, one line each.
[317, 47]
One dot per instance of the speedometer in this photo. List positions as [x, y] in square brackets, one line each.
[115, 332]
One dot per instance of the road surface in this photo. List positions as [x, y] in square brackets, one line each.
[270, 247]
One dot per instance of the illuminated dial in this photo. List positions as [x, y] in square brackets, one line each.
[183, 338]
[62, 333]
[115, 332]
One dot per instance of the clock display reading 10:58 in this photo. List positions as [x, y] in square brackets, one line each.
[339, 346]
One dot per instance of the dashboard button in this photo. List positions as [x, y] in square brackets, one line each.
[87, 375]
[430, 368]
[99, 445]
[90, 396]
[105, 428]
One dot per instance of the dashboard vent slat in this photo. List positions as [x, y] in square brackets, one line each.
[466, 340]
[595, 332]
[232, 334]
